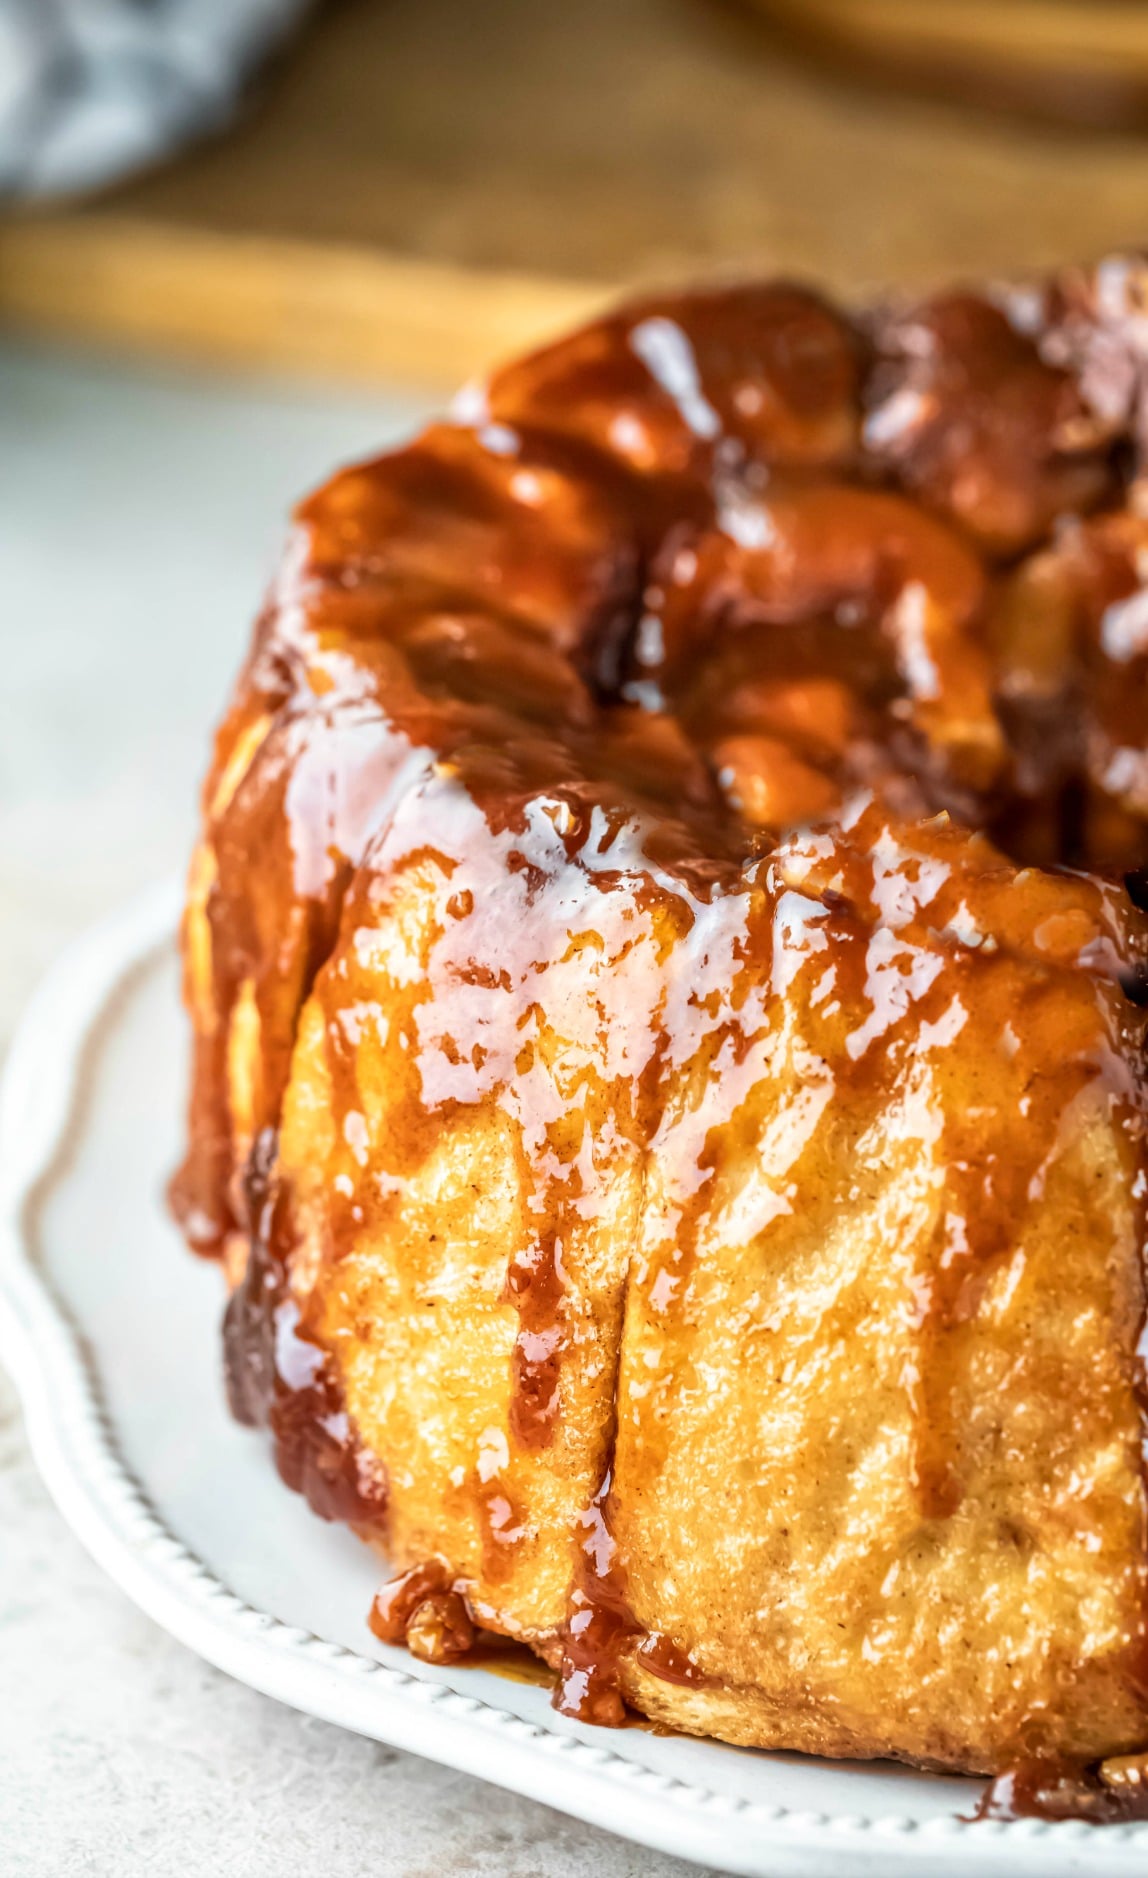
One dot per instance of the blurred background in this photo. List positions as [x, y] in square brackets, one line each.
[241, 240]
[385, 189]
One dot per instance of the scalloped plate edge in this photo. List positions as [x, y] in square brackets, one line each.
[75, 1448]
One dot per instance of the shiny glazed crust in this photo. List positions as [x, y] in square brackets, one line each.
[669, 1045]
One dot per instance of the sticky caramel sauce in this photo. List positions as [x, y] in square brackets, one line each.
[601, 1629]
[599, 1623]
[975, 419]
[279, 1377]
[535, 1285]
[1054, 1789]
[428, 1612]
[715, 569]
[425, 1610]
[667, 1660]
[514, 1662]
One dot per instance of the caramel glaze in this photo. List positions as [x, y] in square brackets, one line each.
[601, 1627]
[422, 1609]
[1055, 1789]
[278, 1375]
[776, 605]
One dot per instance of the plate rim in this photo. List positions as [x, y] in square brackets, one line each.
[74, 1445]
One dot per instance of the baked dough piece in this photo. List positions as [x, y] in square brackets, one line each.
[475, 1078]
[886, 1343]
[682, 1184]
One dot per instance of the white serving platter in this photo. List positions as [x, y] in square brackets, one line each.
[111, 1330]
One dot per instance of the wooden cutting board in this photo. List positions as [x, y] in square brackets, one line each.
[422, 185]
[1075, 61]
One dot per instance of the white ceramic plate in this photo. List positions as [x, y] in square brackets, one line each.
[111, 1328]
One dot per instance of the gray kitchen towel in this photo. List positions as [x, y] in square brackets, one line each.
[91, 89]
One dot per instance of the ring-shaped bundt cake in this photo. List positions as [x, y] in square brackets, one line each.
[666, 973]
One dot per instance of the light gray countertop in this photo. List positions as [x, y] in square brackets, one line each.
[139, 517]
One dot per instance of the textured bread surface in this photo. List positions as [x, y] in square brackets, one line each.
[667, 978]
